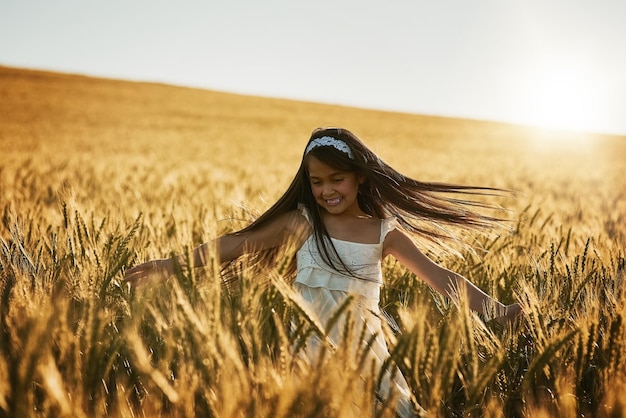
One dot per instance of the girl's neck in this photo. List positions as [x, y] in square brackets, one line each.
[357, 214]
[353, 226]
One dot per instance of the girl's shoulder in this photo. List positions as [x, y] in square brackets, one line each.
[298, 219]
[290, 226]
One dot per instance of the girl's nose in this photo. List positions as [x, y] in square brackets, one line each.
[328, 190]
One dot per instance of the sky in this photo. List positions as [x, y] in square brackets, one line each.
[551, 63]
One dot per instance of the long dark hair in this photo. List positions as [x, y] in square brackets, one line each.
[421, 208]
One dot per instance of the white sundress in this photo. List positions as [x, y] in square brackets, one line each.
[325, 289]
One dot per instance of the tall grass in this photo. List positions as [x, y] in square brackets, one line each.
[97, 175]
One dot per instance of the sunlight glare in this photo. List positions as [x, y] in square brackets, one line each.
[562, 94]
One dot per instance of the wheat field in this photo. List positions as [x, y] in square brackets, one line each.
[97, 175]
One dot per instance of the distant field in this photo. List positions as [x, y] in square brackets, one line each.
[96, 175]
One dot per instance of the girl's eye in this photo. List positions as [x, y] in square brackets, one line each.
[338, 180]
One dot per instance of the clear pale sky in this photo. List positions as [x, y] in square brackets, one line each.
[556, 63]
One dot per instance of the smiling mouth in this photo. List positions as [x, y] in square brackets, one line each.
[333, 202]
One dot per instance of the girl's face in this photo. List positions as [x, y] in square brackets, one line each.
[334, 190]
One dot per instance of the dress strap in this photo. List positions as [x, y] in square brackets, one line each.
[386, 226]
[305, 212]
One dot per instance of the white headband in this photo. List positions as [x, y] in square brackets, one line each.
[326, 141]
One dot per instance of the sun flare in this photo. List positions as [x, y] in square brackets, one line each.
[563, 94]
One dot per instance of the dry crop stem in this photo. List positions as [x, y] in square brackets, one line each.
[96, 175]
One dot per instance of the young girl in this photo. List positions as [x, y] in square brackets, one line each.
[347, 210]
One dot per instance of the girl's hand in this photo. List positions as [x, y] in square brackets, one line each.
[155, 271]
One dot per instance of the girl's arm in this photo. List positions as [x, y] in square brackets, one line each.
[446, 282]
[291, 225]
